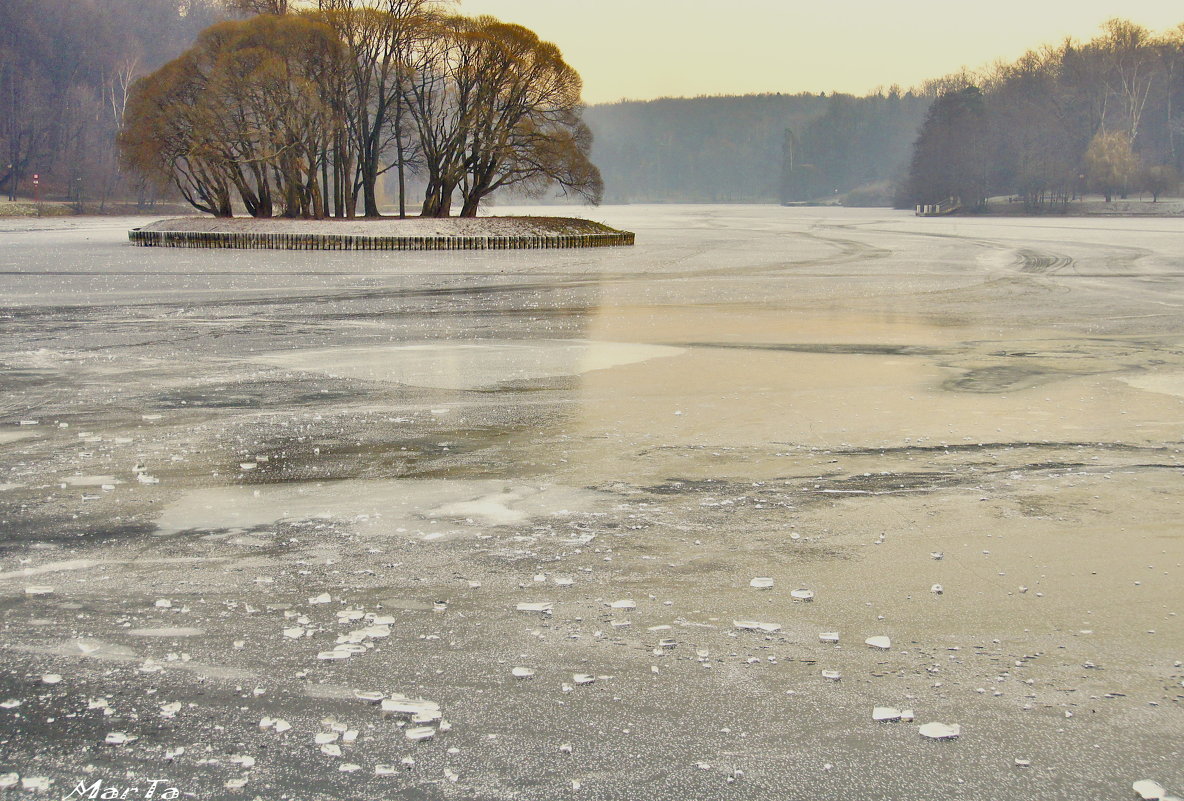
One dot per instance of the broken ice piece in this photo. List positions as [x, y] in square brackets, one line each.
[1023, 763]
[423, 711]
[419, 733]
[936, 555]
[171, 709]
[583, 678]
[937, 589]
[623, 604]
[333, 655]
[883, 714]
[36, 784]
[51, 678]
[351, 614]
[323, 598]
[39, 589]
[879, 641]
[281, 726]
[11, 703]
[833, 675]
[563, 581]
[544, 607]
[907, 716]
[522, 673]
[247, 466]
[243, 759]
[940, 731]
[753, 625]
[9, 780]
[164, 603]
[368, 695]
[331, 749]
[350, 767]
[385, 770]
[294, 633]
[321, 738]
[829, 636]
[119, 738]
[803, 595]
[1149, 790]
[760, 583]
[236, 784]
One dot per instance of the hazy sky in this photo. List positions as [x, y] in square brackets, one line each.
[653, 48]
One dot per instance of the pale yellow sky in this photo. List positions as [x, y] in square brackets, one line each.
[655, 48]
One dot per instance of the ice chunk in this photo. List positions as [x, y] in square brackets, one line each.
[36, 784]
[829, 636]
[938, 555]
[522, 673]
[11, 703]
[760, 583]
[369, 696]
[940, 731]
[39, 589]
[937, 589]
[119, 738]
[295, 633]
[803, 595]
[425, 711]
[583, 678]
[419, 733]
[51, 678]
[171, 709]
[243, 759]
[334, 654]
[281, 726]
[323, 598]
[885, 714]
[879, 641]
[350, 767]
[753, 625]
[833, 675]
[623, 604]
[1149, 790]
[544, 607]
[331, 749]
[321, 738]
[9, 780]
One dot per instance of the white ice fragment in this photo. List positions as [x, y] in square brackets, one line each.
[451, 776]
[563, 581]
[937, 589]
[753, 625]
[281, 726]
[331, 749]
[424, 711]
[164, 603]
[243, 759]
[1023, 763]
[625, 603]
[833, 675]
[419, 733]
[937, 555]
[1149, 790]
[9, 780]
[385, 770]
[828, 636]
[803, 595]
[294, 633]
[761, 583]
[884, 714]
[350, 767]
[321, 738]
[522, 673]
[369, 696]
[244, 466]
[51, 678]
[144, 478]
[940, 731]
[36, 784]
[351, 614]
[236, 784]
[171, 709]
[323, 598]
[334, 654]
[11, 703]
[544, 607]
[39, 589]
[119, 738]
[583, 678]
[907, 716]
[879, 641]
[349, 736]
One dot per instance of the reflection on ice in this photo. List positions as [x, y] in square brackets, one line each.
[406, 507]
[469, 364]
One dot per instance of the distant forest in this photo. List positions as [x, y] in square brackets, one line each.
[756, 148]
[1105, 116]
[1102, 116]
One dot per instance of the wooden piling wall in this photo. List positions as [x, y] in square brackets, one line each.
[271, 241]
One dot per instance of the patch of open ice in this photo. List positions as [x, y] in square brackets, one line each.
[468, 365]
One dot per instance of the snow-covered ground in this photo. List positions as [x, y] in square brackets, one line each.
[627, 523]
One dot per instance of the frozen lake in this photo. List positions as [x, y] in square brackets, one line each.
[246, 486]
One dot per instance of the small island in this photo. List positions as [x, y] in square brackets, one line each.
[382, 233]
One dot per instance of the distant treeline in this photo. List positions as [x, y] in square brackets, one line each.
[65, 70]
[1106, 116]
[756, 148]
